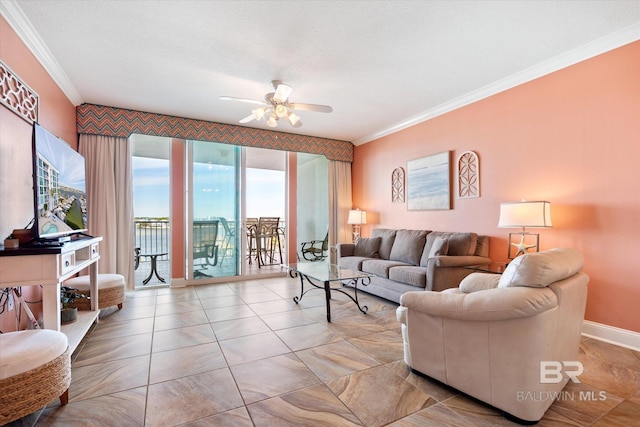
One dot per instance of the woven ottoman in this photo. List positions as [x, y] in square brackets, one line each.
[110, 291]
[35, 368]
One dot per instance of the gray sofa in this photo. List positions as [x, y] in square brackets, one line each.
[408, 260]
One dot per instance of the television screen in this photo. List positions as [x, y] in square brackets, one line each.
[59, 184]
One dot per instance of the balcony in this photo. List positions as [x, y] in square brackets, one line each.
[213, 252]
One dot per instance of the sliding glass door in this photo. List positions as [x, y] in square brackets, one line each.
[197, 198]
[151, 167]
[312, 206]
[213, 218]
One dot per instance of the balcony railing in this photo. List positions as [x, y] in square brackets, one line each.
[152, 237]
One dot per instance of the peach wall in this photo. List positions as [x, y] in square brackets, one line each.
[571, 137]
[177, 208]
[57, 114]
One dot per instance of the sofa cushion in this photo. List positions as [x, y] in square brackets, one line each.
[379, 267]
[408, 246]
[411, 275]
[540, 269]
[460, 244]
[440, 247]
[352, 262]
[367, 247]
[387, 236]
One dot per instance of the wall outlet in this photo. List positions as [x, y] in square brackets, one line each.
[10, 299]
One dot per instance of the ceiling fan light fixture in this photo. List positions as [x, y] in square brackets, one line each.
[281, 111]
[276, 106]
[282, 91]
[258, 113]
[273, 121]
[294, 119]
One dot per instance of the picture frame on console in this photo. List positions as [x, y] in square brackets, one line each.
[429, 182]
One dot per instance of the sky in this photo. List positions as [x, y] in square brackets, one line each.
[214, 190]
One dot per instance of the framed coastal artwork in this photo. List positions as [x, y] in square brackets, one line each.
[429, 183]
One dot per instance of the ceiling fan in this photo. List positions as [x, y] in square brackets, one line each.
[276, 105]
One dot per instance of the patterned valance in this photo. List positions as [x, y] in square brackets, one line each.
[111, 121]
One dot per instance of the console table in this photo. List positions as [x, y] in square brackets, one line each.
[49, 267]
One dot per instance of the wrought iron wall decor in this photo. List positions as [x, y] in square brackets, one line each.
[397, 185]
[468, 175]
[17, 96]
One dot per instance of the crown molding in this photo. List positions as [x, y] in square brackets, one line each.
[589, 50]
[16, 18]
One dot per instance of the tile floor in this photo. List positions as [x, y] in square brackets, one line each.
[244, 354]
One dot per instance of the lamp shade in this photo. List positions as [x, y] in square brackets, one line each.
[525, 214]
[357, 216]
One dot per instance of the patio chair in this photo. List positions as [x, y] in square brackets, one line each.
[205, 242]
[228, 240]
[315, 250]
[268, 239]
[251, 229]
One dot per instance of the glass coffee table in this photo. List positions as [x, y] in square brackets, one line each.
[322, 276]
[493, 267]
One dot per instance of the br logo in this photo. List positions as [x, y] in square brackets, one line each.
[551, 371]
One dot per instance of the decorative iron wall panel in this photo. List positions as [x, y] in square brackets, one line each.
[397, 185]
[17, 96]
[468, 175]
[111, 121]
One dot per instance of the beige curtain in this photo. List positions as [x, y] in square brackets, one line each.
[110, 201]
[339, 202]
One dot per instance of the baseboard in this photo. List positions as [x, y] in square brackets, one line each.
[178, 283]
[181, 283]
[612, 335]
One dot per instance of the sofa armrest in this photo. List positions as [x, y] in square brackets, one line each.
[490, 305]
[461, 261]
[444, 271]
[345, 249]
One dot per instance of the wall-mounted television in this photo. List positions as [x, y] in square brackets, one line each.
[59, 185]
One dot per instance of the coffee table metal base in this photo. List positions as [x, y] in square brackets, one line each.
[364, 281]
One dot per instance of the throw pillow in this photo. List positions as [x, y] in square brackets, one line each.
[408, 246]
[367, 247]
[387, 236]
[440, 247]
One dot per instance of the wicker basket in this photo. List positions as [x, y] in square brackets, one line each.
[30, 391]
[107, 298]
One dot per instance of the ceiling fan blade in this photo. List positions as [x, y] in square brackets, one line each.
[247, 119]
[311, 107]
[282, 92]
[250, 101]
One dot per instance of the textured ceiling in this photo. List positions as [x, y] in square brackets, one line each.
[380, 65]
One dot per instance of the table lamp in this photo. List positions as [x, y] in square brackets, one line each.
[356, 218]
[521, 215]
